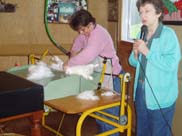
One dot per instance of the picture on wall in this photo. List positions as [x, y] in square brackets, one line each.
[173, 12]
[59, 11]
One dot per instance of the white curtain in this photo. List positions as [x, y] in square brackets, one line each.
[130, 20]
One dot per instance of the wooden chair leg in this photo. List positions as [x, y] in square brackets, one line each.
[36, 119]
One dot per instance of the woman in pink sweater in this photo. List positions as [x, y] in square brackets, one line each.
[94, 42]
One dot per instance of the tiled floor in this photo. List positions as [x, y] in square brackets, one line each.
[23, 126]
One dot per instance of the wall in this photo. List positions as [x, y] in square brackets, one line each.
[25, 27]
[113, 30]
[23, 32]
[177, 118]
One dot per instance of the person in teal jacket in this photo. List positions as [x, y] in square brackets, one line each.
[156, 78]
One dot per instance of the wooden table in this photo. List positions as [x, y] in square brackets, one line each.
[73, 105]
[35, 117]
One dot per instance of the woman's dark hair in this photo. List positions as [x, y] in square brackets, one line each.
[158, 5]
[81, 18]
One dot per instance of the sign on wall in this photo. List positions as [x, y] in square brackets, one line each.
[59, 11]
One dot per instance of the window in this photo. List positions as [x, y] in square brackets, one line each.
[130, 20]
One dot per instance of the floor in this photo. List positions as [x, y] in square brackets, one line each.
[23, 126]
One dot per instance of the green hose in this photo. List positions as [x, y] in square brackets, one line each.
[48, 32]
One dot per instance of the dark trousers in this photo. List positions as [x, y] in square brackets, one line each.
[152, 122]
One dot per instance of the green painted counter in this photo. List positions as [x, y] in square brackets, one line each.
[61, 85]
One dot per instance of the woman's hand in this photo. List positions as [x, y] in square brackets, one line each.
[135, 49]
[140, 46]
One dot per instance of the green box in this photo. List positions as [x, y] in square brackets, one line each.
[61, 85]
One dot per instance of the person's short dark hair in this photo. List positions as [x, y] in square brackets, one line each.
[81, 18]
[158, 5]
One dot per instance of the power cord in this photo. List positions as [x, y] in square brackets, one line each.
[156, 98]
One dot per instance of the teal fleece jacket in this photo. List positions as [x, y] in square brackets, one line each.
[161, 70]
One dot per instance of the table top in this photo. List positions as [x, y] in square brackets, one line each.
[73, 105]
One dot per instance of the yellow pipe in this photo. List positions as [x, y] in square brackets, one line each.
[129, 120]
[109, 115]
[102, 74]
[122, 110]
[44, 54]
[108, 121]
[119, 128]
[124, 79]
[87, 112]
[32, 58]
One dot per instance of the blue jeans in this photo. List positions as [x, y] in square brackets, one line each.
[152, 122]
[103, 127]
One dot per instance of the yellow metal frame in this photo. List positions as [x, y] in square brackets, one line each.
[91, 112]
[122, 104]
[102, 74]
[33, 58]
[125, 110]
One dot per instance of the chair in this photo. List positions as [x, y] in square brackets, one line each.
[73, 105]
